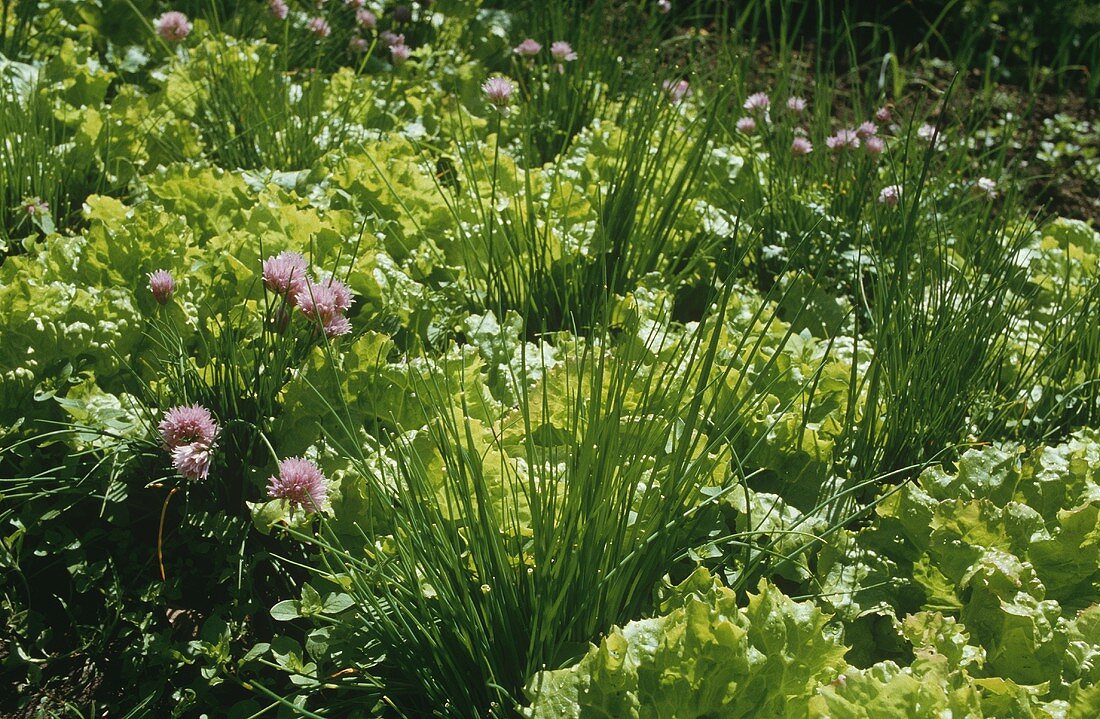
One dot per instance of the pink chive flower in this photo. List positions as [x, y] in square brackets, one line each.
[192, 460]
[527, 48]
[874, 145]
[399, 54]
[498, 90]
[843, 140]
[390, 38]
[677, 90]
[883, 114]
[986, 185]
[928, 133]
[562, 51]
[757, 101]
[162, 285]
[801, 146]
[867, 129]
[366, 19]
[358, 45]
[664, 6]
[319, 27]
[278, 9]
[285, 274]
[746, 125]
[326, 302]
[173, 26]
[300, 482]
[890, 195]
[187, 424]
[797, 105]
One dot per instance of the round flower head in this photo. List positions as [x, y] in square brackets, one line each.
[874, 145]
[358, 45]
[801, 146]
[173, 26]
[746, 125]
[278, 9]
[677, 90]
[664, 6]
[389, 38]
[285, 274]
[162, 285]
[192, 461]
[365, 18]
[498, 90]
[562, 51]
[843, 140]
[867, 129]
[319, 27]
[326, 302]
[402, 14]
[399, 54]
[300, 482]
[797, 105]
[928, 133]
[757, 101]
[187, 424]
[890, 195]
[986, 185]
[527, 48]
[883, 114]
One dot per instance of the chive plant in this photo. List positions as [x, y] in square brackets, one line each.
[514, 543]
[254, 112]
[514, 254]
[44, 177]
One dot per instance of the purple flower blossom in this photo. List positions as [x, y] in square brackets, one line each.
[162, 285]
[358, 45]
[187, 424]
[192, 460]
[390, 38]
[867, 129]
[928, 133]
[986, 185]
[278, 9]
[319, 27]
[399, 54]
[173, 26]
[300, 482]
[797, 105]
[326, 302]
[757, 101]
[801, 146]
[890, 195]
[874, 145]
[562, 51]
[527, 48]
[677, 89]
[285, 274]
[746, 125]
[498, 90]
[843, 140]
[365, 18]
[883, 114]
